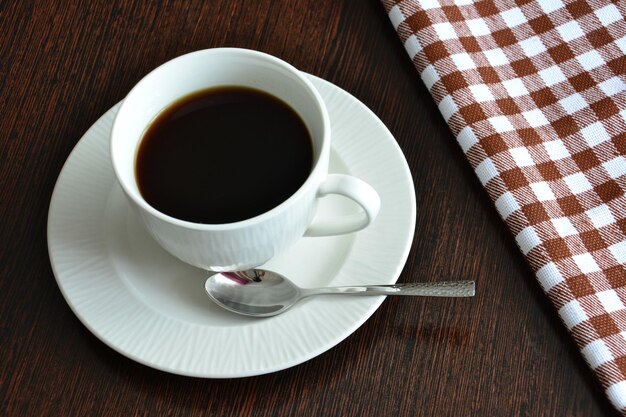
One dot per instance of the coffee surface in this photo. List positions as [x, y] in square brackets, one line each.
[223, 155]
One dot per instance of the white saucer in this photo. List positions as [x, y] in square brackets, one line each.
[152, 308]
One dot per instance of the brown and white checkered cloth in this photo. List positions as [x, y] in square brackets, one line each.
[535, 92]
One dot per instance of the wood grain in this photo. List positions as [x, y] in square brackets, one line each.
[63, 64]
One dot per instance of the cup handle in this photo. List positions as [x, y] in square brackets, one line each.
[358, 191]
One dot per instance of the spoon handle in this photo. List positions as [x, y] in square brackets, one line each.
[424, 289]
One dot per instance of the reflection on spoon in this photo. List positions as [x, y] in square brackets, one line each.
[261, 293]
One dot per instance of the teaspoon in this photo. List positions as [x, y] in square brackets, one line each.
[261, 293]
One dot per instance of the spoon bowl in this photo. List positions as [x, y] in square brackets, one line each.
[262, 293]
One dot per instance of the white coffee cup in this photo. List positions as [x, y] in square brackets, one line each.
[251, 242]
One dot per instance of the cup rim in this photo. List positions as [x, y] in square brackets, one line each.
[310, 182]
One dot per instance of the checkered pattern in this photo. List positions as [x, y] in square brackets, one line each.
[535, 93]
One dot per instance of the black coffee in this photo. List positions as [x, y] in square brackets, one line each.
[223, 155]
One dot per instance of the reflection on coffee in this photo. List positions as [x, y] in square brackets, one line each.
[223, 155]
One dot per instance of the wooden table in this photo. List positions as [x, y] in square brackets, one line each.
[64, 63]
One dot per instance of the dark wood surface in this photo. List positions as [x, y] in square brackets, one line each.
[63, 64]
